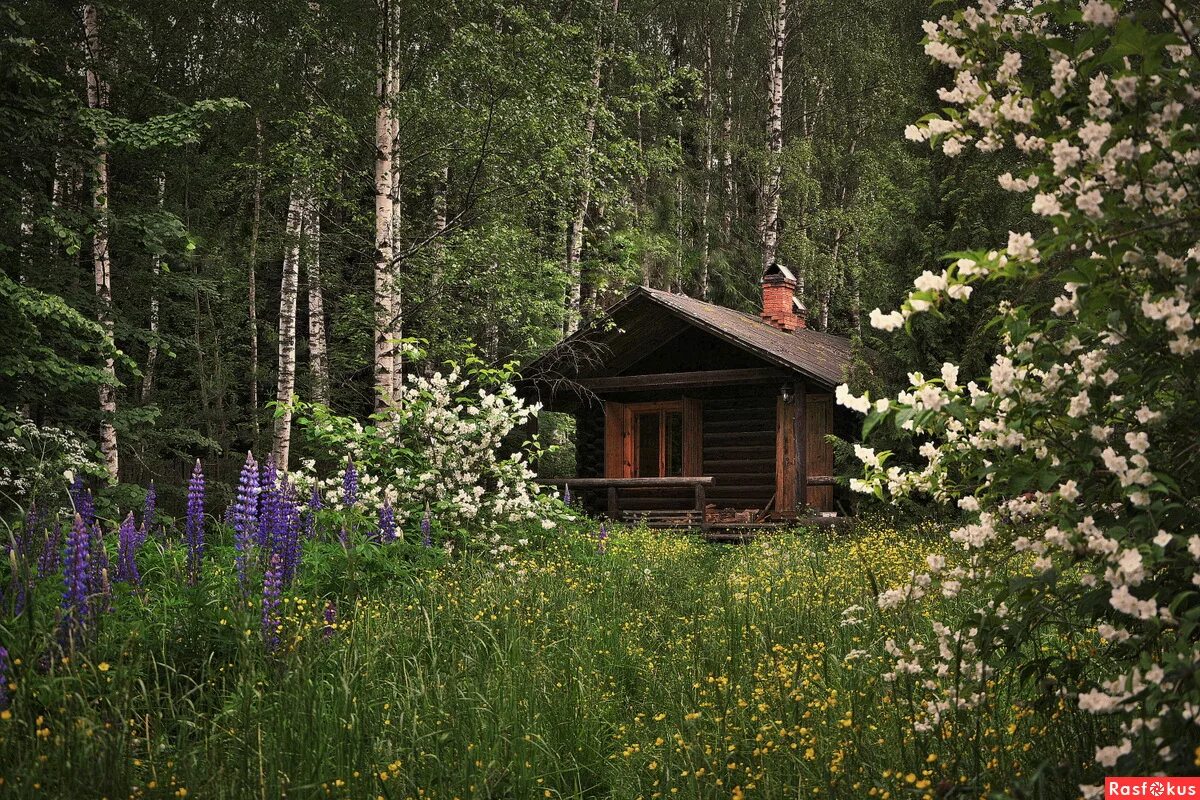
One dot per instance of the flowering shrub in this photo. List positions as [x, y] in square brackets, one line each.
[438, 450]
[1076, 458]
[34, 457]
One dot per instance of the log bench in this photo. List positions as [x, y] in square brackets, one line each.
[692, 517]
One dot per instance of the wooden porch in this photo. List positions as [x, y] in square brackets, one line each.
[714, 523]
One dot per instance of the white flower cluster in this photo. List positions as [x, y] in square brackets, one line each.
[34, 457]
[441, 446]
[1071, 457]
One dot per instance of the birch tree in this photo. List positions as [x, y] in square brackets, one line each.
[97, 98]
[286, 384]
[384, 279]
[318, 348]
[771, 190]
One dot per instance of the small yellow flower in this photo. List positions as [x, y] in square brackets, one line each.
[103, 666]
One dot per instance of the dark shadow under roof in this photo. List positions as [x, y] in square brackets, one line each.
[821, 357]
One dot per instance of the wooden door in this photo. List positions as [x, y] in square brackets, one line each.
[819, 456]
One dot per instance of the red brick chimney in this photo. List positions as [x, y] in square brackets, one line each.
[780, 306]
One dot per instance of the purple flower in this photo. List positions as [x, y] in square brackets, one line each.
[150, 510]
[128, 541]
[342, 535]
[602, 536]
[287, 531]
[194, 530]
[81, 499]
[245, 515]
[567, 493]
[315, 504]
[76, 581]
[427, 529]
[99, 588]
[4, 678]
[350, 483]
[330, 615]
[268, 498]
[387, 522]
[51, 551]
[271, 602]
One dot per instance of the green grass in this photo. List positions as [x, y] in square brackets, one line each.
[663, 667]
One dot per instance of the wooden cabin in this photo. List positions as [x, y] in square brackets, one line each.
[692, 414]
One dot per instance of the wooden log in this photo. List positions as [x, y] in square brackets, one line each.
[698, 379]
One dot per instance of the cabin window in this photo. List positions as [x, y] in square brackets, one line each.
[658, 440]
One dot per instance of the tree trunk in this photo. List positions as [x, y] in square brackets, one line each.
[706, 193]
[252, 279]
[574, 248]
[733, 20]
[155, 273]
[287, 325]
[97, 98]
[318, 349]
[385, 134]
[771, 194]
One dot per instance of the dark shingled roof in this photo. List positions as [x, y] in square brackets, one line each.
[821, 356]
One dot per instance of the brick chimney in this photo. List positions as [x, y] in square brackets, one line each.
[780, 306]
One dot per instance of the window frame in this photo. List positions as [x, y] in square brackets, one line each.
[634, 412]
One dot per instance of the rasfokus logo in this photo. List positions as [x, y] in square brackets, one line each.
[1151, 787]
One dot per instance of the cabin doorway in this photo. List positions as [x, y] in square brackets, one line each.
[657, 439]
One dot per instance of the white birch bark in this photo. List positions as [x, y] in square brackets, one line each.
[771, 193]
[385, 362]
[732, 21]
[286, 385]
[318, 348]
[101, 264]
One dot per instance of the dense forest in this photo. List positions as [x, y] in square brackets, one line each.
[210, 207]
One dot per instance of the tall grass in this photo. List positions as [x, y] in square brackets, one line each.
[662, 667]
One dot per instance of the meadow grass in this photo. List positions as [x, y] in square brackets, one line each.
[660, 667]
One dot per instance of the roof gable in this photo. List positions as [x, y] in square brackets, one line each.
[612, 342]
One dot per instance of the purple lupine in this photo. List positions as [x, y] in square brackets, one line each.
[566, 498]
[245, 515]
[427, 529]
[350, 483]
[51, 551]
[271, 602]
[602, 537]
[267, 500]
[315, 504]
[5, 666]
[387, 522]
[150, 510]
[287, 531]
[100, 588]
[342, 535]
[330, 616]
[194, 530]
[76, 581]
[82, 500]
[128, 541]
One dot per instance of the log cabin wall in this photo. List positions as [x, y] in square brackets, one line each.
[739, 446]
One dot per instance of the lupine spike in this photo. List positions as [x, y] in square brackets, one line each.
[271, 602]
[567, 493]
[82, 500]
[245, 515]
[268, 497]
[350, 483]
[287, 532]
[387, 522]
[194, 530]
[128, 541]
[427, 528]
[602, 545]
[150, 510]
[99, 587]
[48, 559]
[315, 504]
[76, 579]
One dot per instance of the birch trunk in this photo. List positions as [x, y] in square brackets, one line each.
[102, 266]
[385, 133]
[318, 349]
[771, 193]
[706, 193]
[733, 20]
[574, 248]
[155, 274]
[286, 386]
[252, 278]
